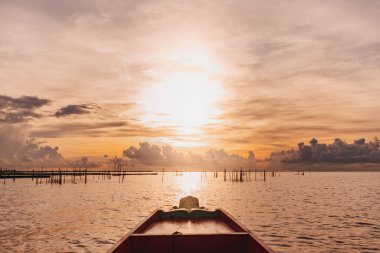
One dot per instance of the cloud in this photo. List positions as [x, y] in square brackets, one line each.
[118, 128]
[74, 110]
[155, 155]
[17, 148]
[22, 109]
[266, 122]
[339, 151]
[24, 102]
[75, 129]
[291, 69]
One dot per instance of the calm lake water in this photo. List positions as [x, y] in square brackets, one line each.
[317, 212]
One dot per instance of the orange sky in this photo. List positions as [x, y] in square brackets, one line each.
[196, 75]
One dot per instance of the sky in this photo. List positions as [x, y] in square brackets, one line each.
[94, 78]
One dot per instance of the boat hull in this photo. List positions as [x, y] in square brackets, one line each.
[200, 236]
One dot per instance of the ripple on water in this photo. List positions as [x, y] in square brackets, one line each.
[315, 213]
[104, 241]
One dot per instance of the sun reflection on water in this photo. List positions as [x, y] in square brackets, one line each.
[189, 183]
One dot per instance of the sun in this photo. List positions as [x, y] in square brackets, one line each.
[184, 99]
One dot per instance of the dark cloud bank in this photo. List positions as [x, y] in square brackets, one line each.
[74, 110]
[18, 110]
[22, 109]
[337, 152]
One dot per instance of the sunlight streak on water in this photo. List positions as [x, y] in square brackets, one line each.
[188, 183]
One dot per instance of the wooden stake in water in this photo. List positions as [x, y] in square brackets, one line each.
[4, 174]
[60, 176]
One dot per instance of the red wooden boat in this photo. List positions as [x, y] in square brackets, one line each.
[190, 229]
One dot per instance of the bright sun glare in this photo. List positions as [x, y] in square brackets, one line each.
[184, 99]
[189, 183]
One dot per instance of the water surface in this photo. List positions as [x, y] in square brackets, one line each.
[317, 212]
